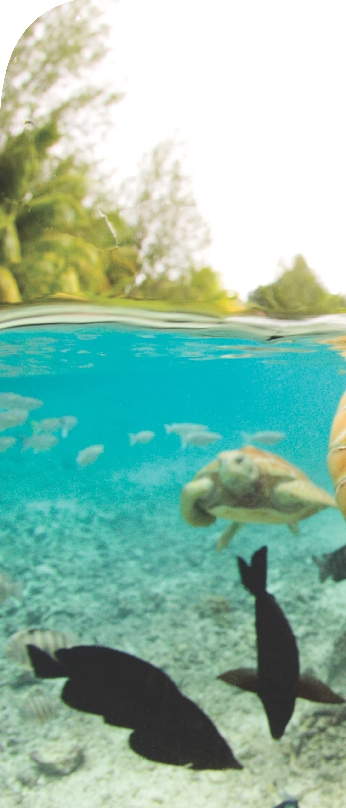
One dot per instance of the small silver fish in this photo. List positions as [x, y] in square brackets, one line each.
[88, 456]
[145, 436]
[46, 425]
[200, 438]
[39, 443]
[182, 429]
[12, 418]
[9, 401]
[6, 443]
[268, 438]
[50, 425]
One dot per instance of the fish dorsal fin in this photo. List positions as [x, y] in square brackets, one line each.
[312, 689]
[245, 678]
[254, 575]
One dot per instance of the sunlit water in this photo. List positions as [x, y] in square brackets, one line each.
[102, 551]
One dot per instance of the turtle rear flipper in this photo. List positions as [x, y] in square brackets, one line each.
[227, 535]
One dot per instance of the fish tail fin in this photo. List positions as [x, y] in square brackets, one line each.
[45, 666]
[254, 575]
[133, 439]
[322, 568]
[64, 432]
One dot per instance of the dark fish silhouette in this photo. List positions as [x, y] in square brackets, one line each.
[131, 693]
[332, 565]
[276, 681]
[288, 804]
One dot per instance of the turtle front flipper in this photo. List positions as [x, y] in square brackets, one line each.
[191, 506]
[296, 494]
[227, 535]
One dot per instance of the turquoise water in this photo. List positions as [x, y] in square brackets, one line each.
[103, 552]
[116, 383]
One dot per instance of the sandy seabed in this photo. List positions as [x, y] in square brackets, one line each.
[128, 573]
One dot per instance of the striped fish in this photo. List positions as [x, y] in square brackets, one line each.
[39, 706]
[46, 639]
[332, 565]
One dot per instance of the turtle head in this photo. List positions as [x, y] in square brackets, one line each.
[237, 471]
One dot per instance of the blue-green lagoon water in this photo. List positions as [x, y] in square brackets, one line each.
[102, 552]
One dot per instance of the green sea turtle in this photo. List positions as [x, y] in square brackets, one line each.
[251, 485]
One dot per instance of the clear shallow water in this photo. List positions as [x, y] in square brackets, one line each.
[102, 551]
[118, 382]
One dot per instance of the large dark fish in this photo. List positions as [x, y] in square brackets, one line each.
[129, 692]
[332, 565]
[276, 681]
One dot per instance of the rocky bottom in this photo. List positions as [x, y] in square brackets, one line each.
[128, 573]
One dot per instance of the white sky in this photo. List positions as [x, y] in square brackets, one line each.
[257, 93]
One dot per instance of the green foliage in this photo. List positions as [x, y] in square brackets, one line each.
[296, 293]
[204, 284]
[53, 236]
[10, 252]
[50, 237]
[170, 233]
[195, 285]
[47, 260]
[55, 241]
[121, 268]
[9, 292]
[52, 69]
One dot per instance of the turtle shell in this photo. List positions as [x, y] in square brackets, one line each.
[251, 485]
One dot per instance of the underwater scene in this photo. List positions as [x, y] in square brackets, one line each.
[172, 569]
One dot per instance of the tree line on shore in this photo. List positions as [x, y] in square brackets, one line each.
[66, 232]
